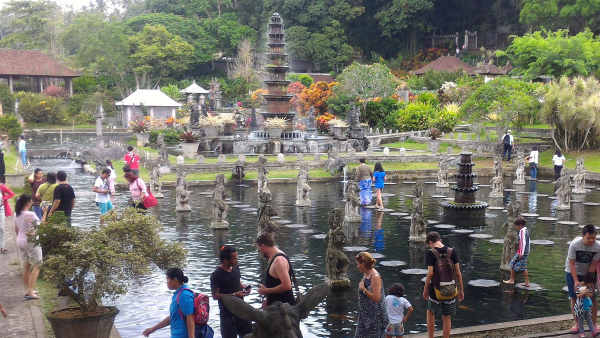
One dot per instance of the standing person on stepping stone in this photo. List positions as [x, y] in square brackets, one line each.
[581, 262]
[507, 142]
[519, 261]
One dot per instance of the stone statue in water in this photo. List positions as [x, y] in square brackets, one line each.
[443, 172]
[418, 224]
[262, 174]
[265, 212]
[352, 209]
[510, 237]
[520, 172]
[579, 178]
[563, 191]
[155, 184]
[162, 150]
[219, 212]
[278, 319]
[182, 195]
[497, 182]
[337, 262]
[302, 188]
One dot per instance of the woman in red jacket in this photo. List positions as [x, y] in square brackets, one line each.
[6, 195]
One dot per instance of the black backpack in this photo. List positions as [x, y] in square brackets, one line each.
[506, 139]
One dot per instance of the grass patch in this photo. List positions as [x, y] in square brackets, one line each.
[414, 145]
[527, 126]
[48, 301]
[31, 125]
[10, 160]
[591, 158]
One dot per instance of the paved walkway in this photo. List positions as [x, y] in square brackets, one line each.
[25, 319]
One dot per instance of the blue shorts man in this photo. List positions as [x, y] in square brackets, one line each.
[102, 190]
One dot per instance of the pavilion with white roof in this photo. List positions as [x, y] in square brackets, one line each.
[153, 102]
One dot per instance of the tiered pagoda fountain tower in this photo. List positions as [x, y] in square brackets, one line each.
[465, 211]
[278, 100]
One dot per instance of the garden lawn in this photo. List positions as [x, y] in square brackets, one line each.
[10, 160]
[31, 125]
[591, 158]
[414, 145]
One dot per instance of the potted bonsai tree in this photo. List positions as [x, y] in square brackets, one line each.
[93, 264]
[190, 143]
[275, 126]
[210, 125]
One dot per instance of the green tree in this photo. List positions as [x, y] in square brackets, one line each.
[31, 24]
[576, 15]
[157, 54]
[173, 92]
[555, 54]
[398, 16]
[228, 32]
[365, 82]
[7, 100]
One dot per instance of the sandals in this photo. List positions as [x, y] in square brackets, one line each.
[28, 297]
[3, 251]
[574, 330]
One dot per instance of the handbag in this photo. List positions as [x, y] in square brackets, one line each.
[149, 200]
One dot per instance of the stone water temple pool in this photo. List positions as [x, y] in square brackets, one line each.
[385, 234]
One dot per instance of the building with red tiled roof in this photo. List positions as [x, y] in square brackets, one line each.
[445, 64]
[16, 64]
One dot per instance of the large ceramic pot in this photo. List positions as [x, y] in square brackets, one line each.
[339, 132]
[275, 132]
[70, 323]
[142, 139]
[211, 131]
[190, 149]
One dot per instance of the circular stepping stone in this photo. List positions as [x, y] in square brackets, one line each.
[438, 196]
[242, 206]
[509, 190]
[531, 287]
[547, 219]
[407, 217]
[565, 288]
[414, 271]
[567, 223]
[462, 231]
[249, 209]
[283, 221]
[231, 202]
[376, 255]
[488, 215]
[205, 193]
[484, 185]
[409, 196]
[449, 199]
[429, 182]
[495, 208]
[591, 204]
[409, 182]
[551, 197]
[523, 192]
[355, 248]
[497, 241]
[392, 264]
[529, 215]
[481, 236]
[484, 283]
[391, 183]
[275, 217]
[387, 194]
[444, 226]
[544, 181]
[370, 207]
[399, 214]
[541, 242]
[319, 236]
[432, 222]
[296, 226]
[576, 201]
[307, 231]
[387, 210]
[542, 195]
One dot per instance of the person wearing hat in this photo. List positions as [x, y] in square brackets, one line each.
[507, 141]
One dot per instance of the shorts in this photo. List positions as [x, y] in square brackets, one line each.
[571, 285]
[31, 254]
[104, 207]
[446, 307]
[394, 329]
[518, 264]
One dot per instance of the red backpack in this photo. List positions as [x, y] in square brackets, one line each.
[201, 307]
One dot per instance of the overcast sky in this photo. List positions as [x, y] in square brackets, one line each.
[76, 4]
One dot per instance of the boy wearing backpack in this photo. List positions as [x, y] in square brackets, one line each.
[507, 142]
[443, 284]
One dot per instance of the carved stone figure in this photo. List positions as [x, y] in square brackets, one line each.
[418, 224]
[563, 191]
[337, 262]
[510, 237]
[278, 319]
[352, 210]
[155, 184]
[497, 186]
[443, 172]
[302, 188]
[219, 212]
[579, 178]
[520, 172]
[334, 164]
[280, 158]
[262, 174]
[182, 195]
[265, 212]
[238, 172]
[162, 150]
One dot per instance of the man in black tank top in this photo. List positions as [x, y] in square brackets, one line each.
[278, 275]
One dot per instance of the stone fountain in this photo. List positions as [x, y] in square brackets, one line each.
[464, 211]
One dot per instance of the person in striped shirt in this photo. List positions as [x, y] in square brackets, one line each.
[519, 261]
